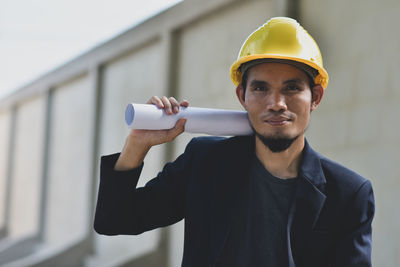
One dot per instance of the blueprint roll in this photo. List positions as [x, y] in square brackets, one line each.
[199, 120]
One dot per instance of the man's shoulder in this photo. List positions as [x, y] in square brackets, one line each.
[339, 175]
[218, 143]
[207, 140]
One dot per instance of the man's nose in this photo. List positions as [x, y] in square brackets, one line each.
[276, 102]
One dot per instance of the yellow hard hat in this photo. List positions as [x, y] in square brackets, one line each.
[281, 38]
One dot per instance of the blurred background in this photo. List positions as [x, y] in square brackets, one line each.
[69, 105]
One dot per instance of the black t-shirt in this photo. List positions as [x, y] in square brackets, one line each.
[258, 234]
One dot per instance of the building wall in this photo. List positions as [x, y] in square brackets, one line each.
[27, 166]
[69, 163]
[355, 122]
[62, 123]
[5, 124]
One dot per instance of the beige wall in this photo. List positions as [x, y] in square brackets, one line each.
[27, 168]
[356, 123]
[69, 162]
[5, 123]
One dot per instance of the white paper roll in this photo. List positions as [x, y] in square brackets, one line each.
[199, 120]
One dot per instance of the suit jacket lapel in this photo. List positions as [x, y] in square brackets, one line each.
[309, 198]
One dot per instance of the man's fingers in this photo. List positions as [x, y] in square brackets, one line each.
[180, 124]
[184, 103]
[177, 130]
[174, 104]
[167, 105]
[156, 101]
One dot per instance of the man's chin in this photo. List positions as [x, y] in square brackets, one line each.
[277, 143]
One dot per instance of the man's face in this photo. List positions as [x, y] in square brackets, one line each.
[278, 100]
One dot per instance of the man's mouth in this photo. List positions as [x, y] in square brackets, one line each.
[278, 121]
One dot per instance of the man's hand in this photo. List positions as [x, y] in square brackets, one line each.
[139, 142]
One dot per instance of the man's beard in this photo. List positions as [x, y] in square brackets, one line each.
[276, 144]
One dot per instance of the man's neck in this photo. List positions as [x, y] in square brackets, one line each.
[284, 164]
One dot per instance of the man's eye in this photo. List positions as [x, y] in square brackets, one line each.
[293, 87]
[259, 88]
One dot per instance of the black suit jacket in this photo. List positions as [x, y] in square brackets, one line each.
[329, 222]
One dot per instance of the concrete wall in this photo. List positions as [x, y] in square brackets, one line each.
[54, 130]
[27, 166]
[69, 163]
[5, 123]
[355, 124]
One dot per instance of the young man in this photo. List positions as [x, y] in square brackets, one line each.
[261, 200]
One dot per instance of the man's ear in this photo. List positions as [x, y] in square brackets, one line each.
[240, 93]
[318, 93]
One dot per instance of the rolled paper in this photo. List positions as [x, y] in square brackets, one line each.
[199, 120]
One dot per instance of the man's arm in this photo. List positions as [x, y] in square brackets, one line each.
[139, 142]
[354, 249]
[123, 209]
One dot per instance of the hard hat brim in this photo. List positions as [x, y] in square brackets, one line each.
[236, 75]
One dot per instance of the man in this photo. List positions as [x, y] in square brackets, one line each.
[261, 200]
